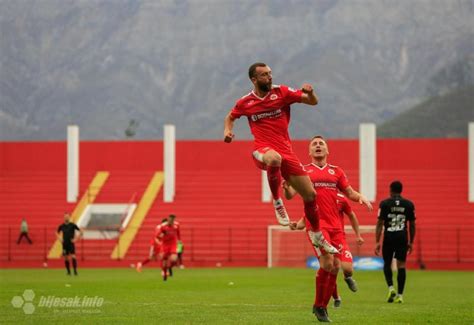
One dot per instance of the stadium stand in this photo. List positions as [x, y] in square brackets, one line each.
[217, 198]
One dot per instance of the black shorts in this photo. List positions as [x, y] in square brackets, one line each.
[395, 249]
[69, 248]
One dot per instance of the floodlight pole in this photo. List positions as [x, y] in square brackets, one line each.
[266, 193]
[169, 154]
[72, 163]
[471, 161]
[368, 160]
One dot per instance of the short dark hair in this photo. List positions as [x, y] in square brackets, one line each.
[164, 220]
[253, 68]
[318, 137]
[396, 187]
[172, 216]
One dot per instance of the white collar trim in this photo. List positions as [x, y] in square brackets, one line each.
[320, 168]
[261, 98]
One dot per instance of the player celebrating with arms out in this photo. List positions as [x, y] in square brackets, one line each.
[267, 108]
[327, 180]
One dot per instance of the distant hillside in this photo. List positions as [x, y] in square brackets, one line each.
[123, 68]
[438, 117]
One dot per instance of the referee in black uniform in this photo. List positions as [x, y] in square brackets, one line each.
[394, 214]
[66, 233]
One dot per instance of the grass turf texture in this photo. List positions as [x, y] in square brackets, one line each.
[235, 295]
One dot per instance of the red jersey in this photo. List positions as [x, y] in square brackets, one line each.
[157, 232]
[344, 208]
[327, 181]
[169, 234]
[269, 116]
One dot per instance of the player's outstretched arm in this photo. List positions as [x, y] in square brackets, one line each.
[355, 196]
[59, 236]
[77, 235]
[228, 127]
[355, 226]
[309, 96]
[300, 225]
[378, 234]
[412, 227]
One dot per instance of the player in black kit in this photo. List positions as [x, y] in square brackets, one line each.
[66, 234]
[394, 214]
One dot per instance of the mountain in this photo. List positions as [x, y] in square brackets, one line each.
[438, 117]
[101, 64]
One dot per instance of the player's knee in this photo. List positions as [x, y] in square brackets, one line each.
[348, 271]
[327, 264]
[309, 195]
[273, 159]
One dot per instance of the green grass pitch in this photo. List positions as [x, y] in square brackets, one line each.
[233, 296]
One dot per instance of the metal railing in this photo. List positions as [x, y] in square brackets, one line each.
[229, 244]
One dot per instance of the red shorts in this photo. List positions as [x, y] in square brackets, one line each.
[168, 250]
[155, 249]
[345, 255]
[337, 239]
[290, 164]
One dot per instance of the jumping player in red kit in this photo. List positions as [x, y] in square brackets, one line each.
[169, 234]
[155, 248]
[267, 108]
[327, 180]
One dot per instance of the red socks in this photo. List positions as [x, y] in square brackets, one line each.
[325, 287]
[335, 294]
[312, 214]
[146, 261]
[331, 282]
[274, 180]
[321, 280]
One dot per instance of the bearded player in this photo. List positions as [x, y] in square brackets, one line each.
[267, 108]
[327, 180]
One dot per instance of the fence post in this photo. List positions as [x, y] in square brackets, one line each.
[421, 264]
[9, 243]
[439, 242]
[458, 244]
[192, 244]
[82, 249]
[44, 244]
[230, 245]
